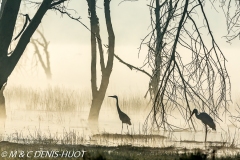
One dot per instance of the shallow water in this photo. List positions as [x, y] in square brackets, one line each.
[72, 128]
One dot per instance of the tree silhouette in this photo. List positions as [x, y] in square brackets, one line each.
[203, 81]
[9, 59]
[188, 67]
[231, 11]
[44, 56]
[106, 69]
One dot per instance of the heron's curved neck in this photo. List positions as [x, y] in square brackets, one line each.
[117, 105]
[196, 114]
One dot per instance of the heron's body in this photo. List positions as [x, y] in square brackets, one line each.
[123, 117]
[206, 120]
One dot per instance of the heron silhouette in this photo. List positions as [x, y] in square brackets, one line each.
[123, 117]
[206, 120]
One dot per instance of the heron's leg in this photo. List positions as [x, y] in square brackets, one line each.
[205, 133]
[127, 128]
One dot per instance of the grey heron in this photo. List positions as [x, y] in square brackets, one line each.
[123, 117]
[206, 120]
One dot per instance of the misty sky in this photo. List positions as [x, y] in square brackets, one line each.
[70, 45]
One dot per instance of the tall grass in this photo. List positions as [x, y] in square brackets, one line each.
[49, 99]
[61, 99]
[66, 137]
[65, 99]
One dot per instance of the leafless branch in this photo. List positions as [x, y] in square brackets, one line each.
[132, 67]
[201, 82]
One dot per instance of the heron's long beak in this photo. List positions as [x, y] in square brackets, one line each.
[190, 116]
[110, 96]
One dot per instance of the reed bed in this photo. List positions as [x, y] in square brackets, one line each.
[56, 98]
[102, 145]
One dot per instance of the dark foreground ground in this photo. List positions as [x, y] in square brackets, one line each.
[15, 151]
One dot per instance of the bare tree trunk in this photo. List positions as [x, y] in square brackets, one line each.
[2, 104]
[95, 107]
[154, 82]
[99, 94]
[7, 24]
[3, 114]
[94, 26]
[8, 61]
[44, 63]
[2, 6]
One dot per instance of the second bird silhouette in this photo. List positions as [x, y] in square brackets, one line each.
[206, 120]
[123, 117]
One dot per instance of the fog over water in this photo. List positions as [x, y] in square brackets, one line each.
[70, 46]
[70, 56]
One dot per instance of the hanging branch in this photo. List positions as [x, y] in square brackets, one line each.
[42, 43]
[201, 82]
[132, 67]
[231, 10]
[27, 19]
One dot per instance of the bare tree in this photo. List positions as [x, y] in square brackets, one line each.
[43, 57]
[200, 82]
[231, 10]
[203, 82]
[96, 44]
[9, 59]
[2, 5]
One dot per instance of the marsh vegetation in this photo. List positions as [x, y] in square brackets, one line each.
[181, 59]
[56, 117]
